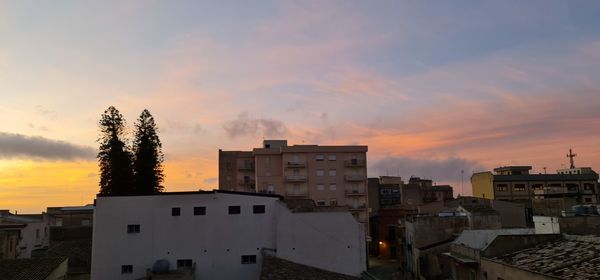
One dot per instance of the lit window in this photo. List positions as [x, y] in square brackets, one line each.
[332, 172]
[233, 210]
[199, 211]
[519, 187]
[126, 269]
[332, 157]
[133, 228]
[502, 187]
[248, 259]
[175, 211]
[320, 187]
[332, 187]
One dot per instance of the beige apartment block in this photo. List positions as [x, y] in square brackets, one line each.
[329, 175]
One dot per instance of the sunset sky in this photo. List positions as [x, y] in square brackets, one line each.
[432, 87]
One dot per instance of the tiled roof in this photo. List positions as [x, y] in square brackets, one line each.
[29, 269]
[278, 269]
[568, 258]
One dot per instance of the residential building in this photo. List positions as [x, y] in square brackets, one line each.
[10, 233]
[236, 171]
[218, 235]
[34, 236]
[512, 215]
[329, 175]
[546, 194]
[427, 237]
[524, 255]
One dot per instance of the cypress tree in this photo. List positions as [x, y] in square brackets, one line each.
[147, 166]
[114, 157]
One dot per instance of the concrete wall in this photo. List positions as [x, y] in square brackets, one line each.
[332, 241]
[546, 225]
[216, 241]
[482, 184]
[34, 236]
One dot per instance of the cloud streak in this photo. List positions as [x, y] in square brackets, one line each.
[246, 125]
[21, 146]
[448, 169]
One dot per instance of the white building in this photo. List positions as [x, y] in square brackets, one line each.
[34, 236]
[220, 233]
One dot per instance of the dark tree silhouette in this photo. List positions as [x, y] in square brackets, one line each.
[147, 166]
[116, 176]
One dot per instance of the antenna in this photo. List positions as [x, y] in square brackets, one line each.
[545, 170]
[462, 180]
[571, 157]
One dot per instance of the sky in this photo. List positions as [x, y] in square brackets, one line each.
[432, 87]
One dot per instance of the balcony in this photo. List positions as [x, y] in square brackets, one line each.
[246, 167]
[354, 163]
[359, 207]
[295, 178]
[246, 183]
[355, 178]
[550, 191]
[296, 164]
[300, 193]
[355, 192]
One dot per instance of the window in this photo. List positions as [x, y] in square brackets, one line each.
[320, 202]
[270, 188]
[332, 172]
[587, 199]
[126, 269]
[319, 157]
[228, 178]
[268, 173]
[199, 211]
[519, 187]
[37, 233]
[184, 263]
[572, 187]
[175, 211]
[86, 222]
[248, 259]
[258, 209]
[502, 187]
[234, 210]
[537, 186]
[332, 187]
[332, 157]
[588, 186]
[133, 228]
[45, 231]
[320, 172]
[320, 187]
[333, 202]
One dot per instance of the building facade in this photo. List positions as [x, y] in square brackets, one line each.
[329, 175]
[219, 235]
[541, 193]
[33, 236]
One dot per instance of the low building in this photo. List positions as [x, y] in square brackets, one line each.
[525, 256]
[221, 234]
[10, 233]
[34, 236]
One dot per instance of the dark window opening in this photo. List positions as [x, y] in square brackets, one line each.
[126, 269]
[199, 211]
[133, 228]
[248, 259]
[235, 209]
[175, 211]
[184, 263]
[258, 209]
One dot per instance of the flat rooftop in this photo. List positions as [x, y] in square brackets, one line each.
[566, 258]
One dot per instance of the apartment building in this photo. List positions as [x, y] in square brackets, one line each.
[538, 191]
[34, 236]
[329, 175]
[218, 235]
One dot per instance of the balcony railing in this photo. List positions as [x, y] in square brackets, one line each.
[246, 183]
[355, 192]
[355, 178]
[354, 163]
[296, 193]
[296, 164]
[295, 178]
[360, 207]
[246, 167]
